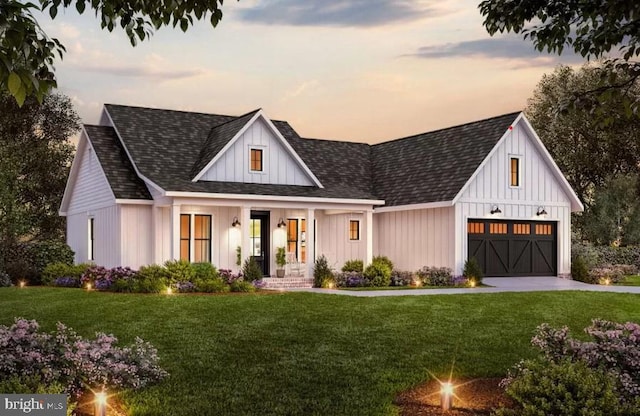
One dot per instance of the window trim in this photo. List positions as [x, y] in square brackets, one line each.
[519, 159]
[192, 238]
[91, 238]
[358, 230]
[263, 152]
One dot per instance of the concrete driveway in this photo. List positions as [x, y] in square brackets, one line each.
[499, 285]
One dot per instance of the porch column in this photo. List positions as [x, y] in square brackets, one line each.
[368, 223]
[311, 241]
[175, 231]
[154, 235]
[245, 242]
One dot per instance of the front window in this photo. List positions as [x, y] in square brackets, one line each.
[91, 239]
[256, 160]
[185, 237]
[195, 238]
[354, 230]
[514, 179]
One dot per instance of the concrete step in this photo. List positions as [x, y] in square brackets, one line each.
[288, 282]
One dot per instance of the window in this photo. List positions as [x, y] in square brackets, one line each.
[91, 238]
[475, 228]
[514, 177]
[521, 228]
[354, 230]
[256, 160]
[544, 229]
[497, 228]
[292, 236]
[195, 238]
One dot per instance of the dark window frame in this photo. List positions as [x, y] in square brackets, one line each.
[254, 161]
[351, 230]
[514, 182]
[209, 239]
[92, 239]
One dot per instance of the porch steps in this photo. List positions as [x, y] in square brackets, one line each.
[288, 282]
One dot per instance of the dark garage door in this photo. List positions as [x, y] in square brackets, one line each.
[513, 248]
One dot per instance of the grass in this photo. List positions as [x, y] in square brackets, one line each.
[374, 288]
[311, 354]
[633, 280]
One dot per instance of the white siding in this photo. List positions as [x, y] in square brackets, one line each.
[279, 167]
[333, 238]
[91, 189]
[136, 241]
[539, 187]
[106, 234]
[416, 238]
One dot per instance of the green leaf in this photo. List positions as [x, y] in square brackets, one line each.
[53, 11]
[80, 6]
[14, 83]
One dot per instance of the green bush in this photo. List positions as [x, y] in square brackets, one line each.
[353, 266]
[216, 285]
[321, 271]
[5, 280]
[56, 270]
[378, 274]
[566, 388]
[123, 286]
[205, 271]
[153, 272]
[436, 276]
[27, 260]
[580, 269]
[251, 270]
[149, 285]
[384, 260]
[242, 286]
[179, 271]
[472, 270]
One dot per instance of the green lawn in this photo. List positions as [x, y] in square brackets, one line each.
[631, 281]
[311, 354]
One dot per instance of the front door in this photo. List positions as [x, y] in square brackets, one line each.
[259, 236]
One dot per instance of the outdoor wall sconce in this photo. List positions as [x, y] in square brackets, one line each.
[495, 210]
[281, 223]
[541, 211]
[446, 396]
[100, 404]
[235, 222]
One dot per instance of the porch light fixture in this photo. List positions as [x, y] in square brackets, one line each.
[495, 210]
[235, 222]
[100, 404]
[281, 223]
[541, 211]
[446, 395]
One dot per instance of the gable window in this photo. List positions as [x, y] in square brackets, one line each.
[354, 230]
[256, 160]
[91, 239]
[514, 171]
[195, 238]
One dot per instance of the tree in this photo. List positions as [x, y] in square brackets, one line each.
[587, 152]
[592, 28]
[27, 54]
[35, 156]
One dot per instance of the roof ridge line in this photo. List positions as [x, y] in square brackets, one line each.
[173, 111]
[235, 118]
[445, 128]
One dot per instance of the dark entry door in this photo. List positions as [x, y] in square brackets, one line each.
[259, 236]
[513, 248]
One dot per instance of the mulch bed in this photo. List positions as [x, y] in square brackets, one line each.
[472, 397]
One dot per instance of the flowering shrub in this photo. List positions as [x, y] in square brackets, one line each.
[259, 284]
[609, 274]
[67, 282]
[400, 278]
[228, 276]
[613, 350]
[435, 276]
[75, 362]
[350, 279]
[5, 280]
[185, 287]
[102, 278]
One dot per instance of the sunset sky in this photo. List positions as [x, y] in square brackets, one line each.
[358, 70]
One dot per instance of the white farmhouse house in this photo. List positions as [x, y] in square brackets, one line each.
[149, 185]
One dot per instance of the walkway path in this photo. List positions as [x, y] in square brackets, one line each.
[499, 285]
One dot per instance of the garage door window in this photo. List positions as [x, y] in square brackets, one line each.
[475, 228]
[521, 229]
[495, 228]
[544, 229]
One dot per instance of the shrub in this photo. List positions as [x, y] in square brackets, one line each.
[185, 287]
[27, 260]
[179, 271]
[378, 274]
[580, 269]
[561, 388]
[610, 274]
[242, 286]
[251, 270]
[228, 276]
[400, 278]
[472, 270]
[435, 276]
[205, 271]
[5, 280]
[74, 362]
[123, 286]
[67, 281]
[353, 266]
[103, 278]
[148, 285]
[259, 284]
[384, 260]
[216, 285]
[153, 272]
[321, 271]
[350, 279]
[56, 270]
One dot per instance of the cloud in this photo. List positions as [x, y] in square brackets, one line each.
[342, 13]
[508, 47]
[154, 67]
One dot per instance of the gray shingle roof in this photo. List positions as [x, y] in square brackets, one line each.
[434, 166]
[171, 147]
[120, 174]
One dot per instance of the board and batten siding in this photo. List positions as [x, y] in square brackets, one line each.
[416, 238]
[279, 167]
[136, 238]
[91, 189]
[539, 187]
[107, 251]
[332, 238]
